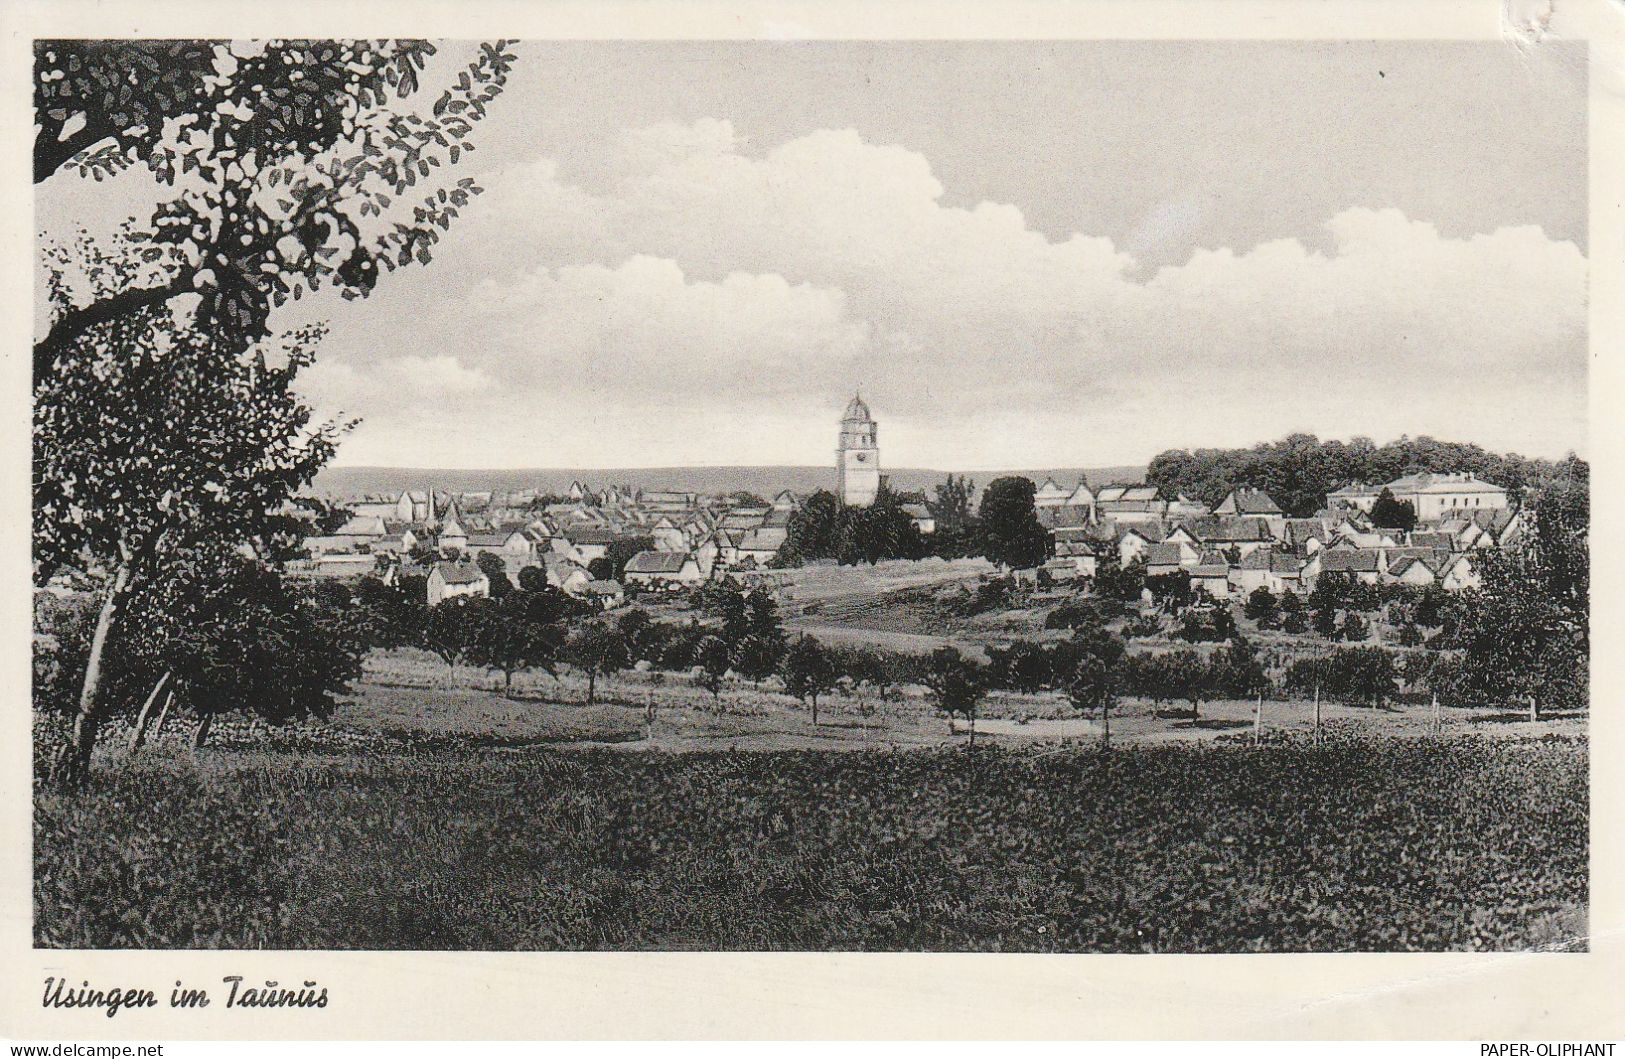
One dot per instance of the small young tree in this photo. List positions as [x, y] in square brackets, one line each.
[503, 637]
[596, 649]
[448, 628]
[1189, 673]
[1354, 628]
[1023, 666]
[711, 655]
[808, 671]
[1092, 686]
[958, 684]
[756, 658]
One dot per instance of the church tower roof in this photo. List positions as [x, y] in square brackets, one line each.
[857, 410]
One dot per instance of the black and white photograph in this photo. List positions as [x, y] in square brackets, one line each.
[741, 496]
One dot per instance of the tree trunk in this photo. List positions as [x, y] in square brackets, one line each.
[973, 729]
[1105, 726]
[815, 710]
[507, 683]
[1258, 720]
[1317, 711]
[1534, 709]
[89, 720]
[204, 723]
[163, 714]
[592, 685]
[139, 734]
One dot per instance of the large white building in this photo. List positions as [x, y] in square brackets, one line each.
[857, 459]
[1431, 496]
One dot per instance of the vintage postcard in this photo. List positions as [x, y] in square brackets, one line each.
[717, 521]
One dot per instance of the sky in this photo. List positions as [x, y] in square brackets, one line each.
[1023, 254]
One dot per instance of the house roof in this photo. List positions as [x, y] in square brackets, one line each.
[1251, 502]
[916, 511]
[1204, 570]
[590, 535]
[653, 562]
[1163, 555]
[1459, 482]
[459, 573]
[1128, 494]
[1228, 529]
[607, 586]
[1348, 560]
[488, 540]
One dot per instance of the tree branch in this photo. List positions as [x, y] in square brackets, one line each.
[51, 153]
[75, 322]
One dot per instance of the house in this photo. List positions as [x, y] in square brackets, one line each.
[1182, 507]
[1414, 570]
[1273, 569]
[1131, 503]
[1050, 494]
[513, 546]
[450, 579]
[1460, 573]
[922, 518]
[1244, 534]
[583, 544]
[607, 593]
[453, 538]
[761, 544]
[1076, 551]
[1366, 565]
[668, 536]
[1304, 536]
[1212, 578]
[1250, 503]
[414, 506]
[342, 564]
[1355, 495]
[1170, 557]
[361, 529]
[662, 569]
[1136, 541]
[372, 509]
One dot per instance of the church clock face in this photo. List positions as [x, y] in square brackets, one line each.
[863, 457]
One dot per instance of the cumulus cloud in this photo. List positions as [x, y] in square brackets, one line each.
[712, 273]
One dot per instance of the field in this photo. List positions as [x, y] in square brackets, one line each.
[1356, 844]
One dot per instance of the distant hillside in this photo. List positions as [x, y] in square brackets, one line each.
[764, 481]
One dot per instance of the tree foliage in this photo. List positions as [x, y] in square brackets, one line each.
[1300, 469]
[291, 162]
[1011, 533]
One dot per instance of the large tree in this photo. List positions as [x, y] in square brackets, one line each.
[291, 161]
[1011, 533]
[153, 441]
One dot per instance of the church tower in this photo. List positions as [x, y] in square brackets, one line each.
[857, 460]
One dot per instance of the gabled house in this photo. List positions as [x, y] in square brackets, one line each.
[1170, 557]
[922, 518]
[1460, 573]
[450, 579]
[1250, 503]
[1131, 503]
[1414, 570]
[662, 569]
